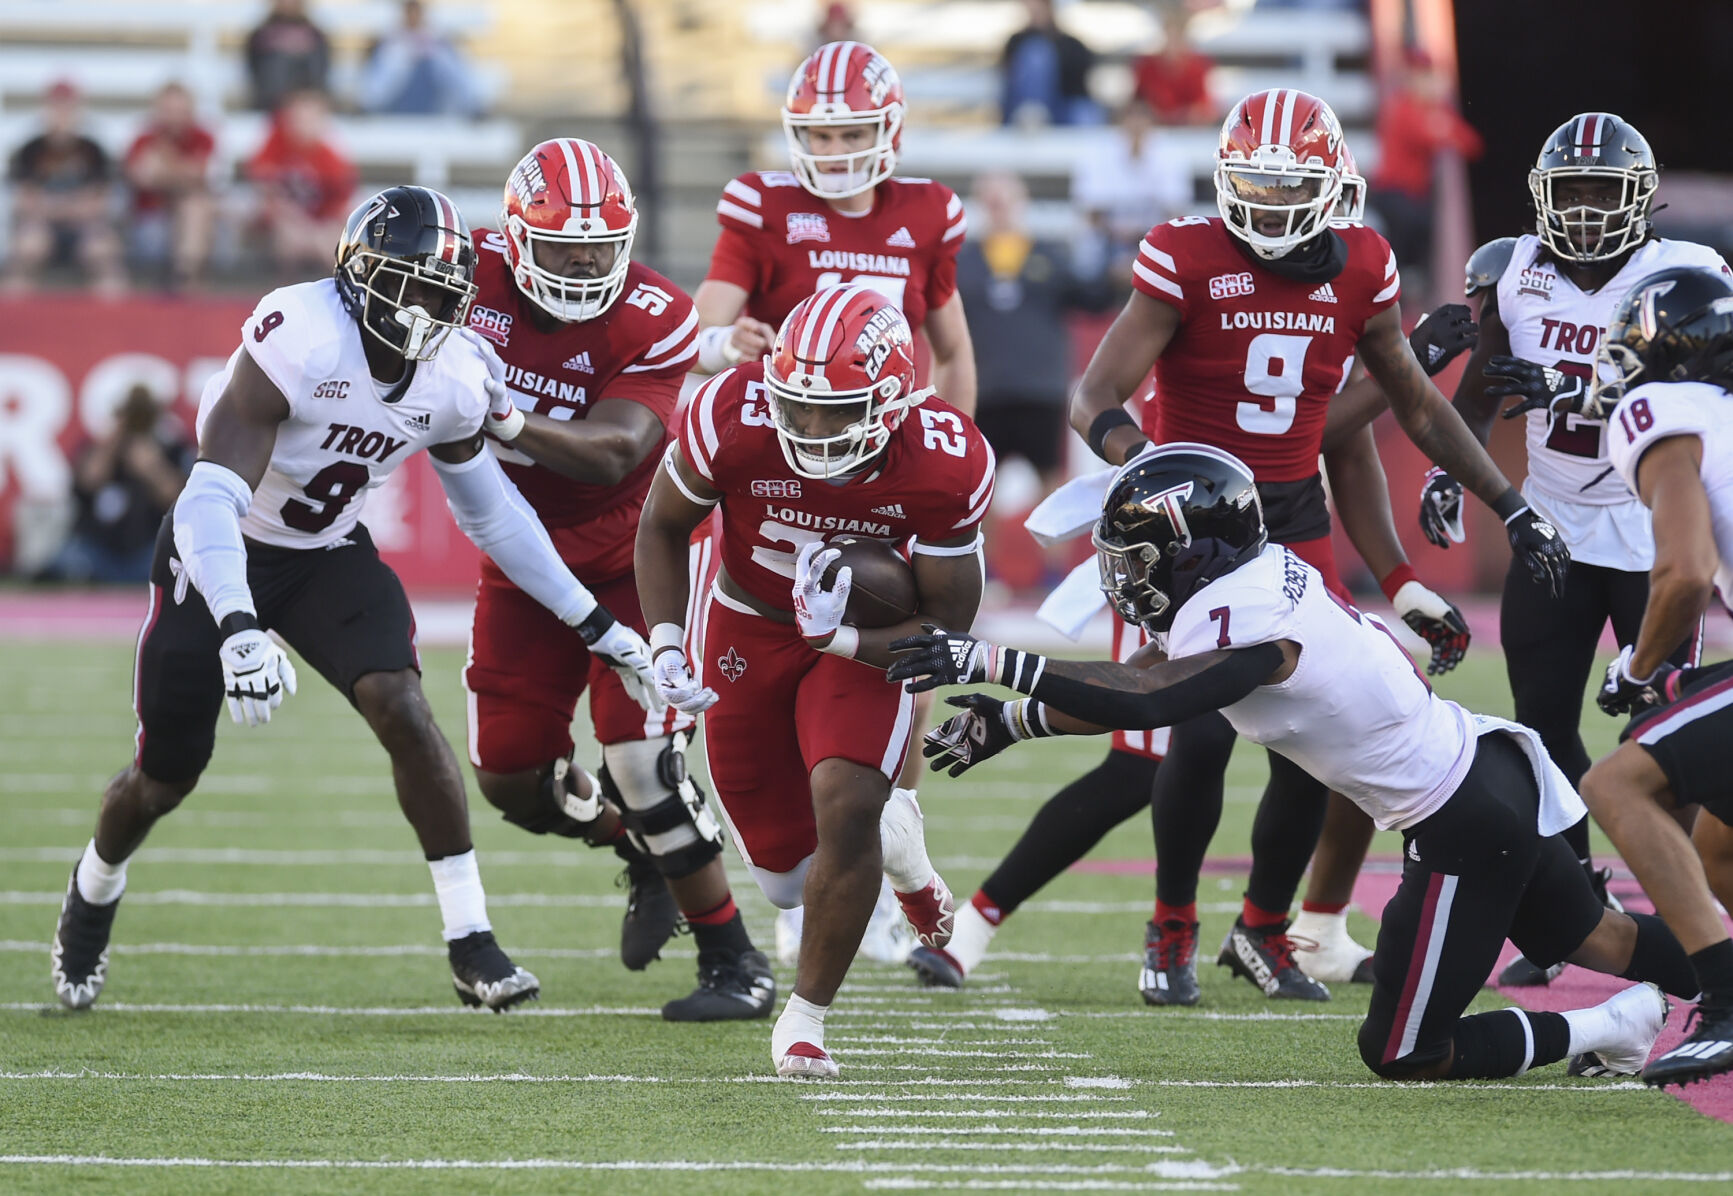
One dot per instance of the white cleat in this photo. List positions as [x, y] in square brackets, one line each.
[1636, 1016]
[804, 1061]
[1324, 950]
[888, 938]
[789, 923]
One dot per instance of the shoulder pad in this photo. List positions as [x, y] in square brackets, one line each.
[1487, 265]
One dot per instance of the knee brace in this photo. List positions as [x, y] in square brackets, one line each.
[664, 810]
[558, 810]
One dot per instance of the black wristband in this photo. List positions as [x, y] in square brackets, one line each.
[1508, 504]
[1105, 423]
[239, 621]
[594, 625]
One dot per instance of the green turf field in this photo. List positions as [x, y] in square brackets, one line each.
[279, 1016]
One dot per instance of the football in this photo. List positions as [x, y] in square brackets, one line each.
[883, 592]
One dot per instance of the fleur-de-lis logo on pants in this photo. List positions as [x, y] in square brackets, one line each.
[732, 665]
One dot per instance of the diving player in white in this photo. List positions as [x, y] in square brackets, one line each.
[335, 384]
[1250, 629]
[1540, 328]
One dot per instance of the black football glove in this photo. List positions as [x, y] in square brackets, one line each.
[1442, 335]
[984, 729]
[1540, 547]
[940, 658]
[1622, 694]
[1540, 387]
[1441, 509]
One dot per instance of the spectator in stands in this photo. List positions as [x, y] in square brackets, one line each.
[60, 199]
[1417, 121]
[168, 169]
[287, 53]
[1175, 82]
[125, 482]
[837, 25]
[1124, 186]
[417, 71]
[306, 186]
[1045, 74]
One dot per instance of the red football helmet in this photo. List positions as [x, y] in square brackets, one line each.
[562, 192]
[841, 84]
[841, 376]
[1280, 159]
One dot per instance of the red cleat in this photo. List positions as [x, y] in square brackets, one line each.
[932, 912]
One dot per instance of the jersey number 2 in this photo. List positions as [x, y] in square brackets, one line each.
[332, 488]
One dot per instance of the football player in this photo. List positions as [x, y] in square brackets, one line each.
[1667, 363]
[595, 346]
[335, 384]
[1541, 322]
[829, 436]
[840, 216]
[1248, 628]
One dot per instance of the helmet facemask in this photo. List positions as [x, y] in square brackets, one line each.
[1126, 580]
[573, 300]
[1603, 232]
[409, 328]
[834, 454]
[1274, 182]
[863, 170]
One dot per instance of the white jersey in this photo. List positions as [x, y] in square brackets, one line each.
[341, 439]
[1657, 410]
[1552, 322]
[1355, 714]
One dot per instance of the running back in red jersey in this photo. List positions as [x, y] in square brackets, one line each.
[780, 243]
[1257, 356]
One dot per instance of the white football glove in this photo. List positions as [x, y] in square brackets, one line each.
[625, 651]
[817, 611]
[504, 421]
[678, 687]
[256, 673]
[1436, 620]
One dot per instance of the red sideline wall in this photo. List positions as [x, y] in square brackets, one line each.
[66, 361]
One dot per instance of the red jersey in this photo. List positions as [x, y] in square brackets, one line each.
[317, 176]
[1257, 357]
[932, 483]
[639, 349]
[781, 243]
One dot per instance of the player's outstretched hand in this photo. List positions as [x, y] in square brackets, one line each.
[1441, 509]
[256, 675]
[1540, 387]
[818, 612]
[678, 687]
[624, 651]
[984, 729]
[940, 658]
[1436, 620]
[1442, 334]
[750, 340]
[1622, 693]
[1541, 548]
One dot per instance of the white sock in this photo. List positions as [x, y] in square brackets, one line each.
[1320, 927]
[100, 882]
[903, 837]
[801, 1021]
[1591, 1029]
[969, 938]
[463, 905]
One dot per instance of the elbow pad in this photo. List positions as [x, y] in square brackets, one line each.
[207, 534]
[490, 511]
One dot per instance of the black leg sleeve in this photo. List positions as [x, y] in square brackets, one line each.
[1549, 651]
[1188, 804]
[1659, 957]
[1284, 834]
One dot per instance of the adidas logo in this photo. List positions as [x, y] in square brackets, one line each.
[581, 361]
[1324, 294]
[890, 511]
[422, 420]
[901, 239]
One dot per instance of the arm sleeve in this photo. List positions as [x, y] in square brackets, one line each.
[207, 532]
[1200, 685]
[1155, 271]
[491, 512]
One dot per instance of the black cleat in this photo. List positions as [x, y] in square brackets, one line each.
[1265, 956]
[1169, 975]
[1599, 881]
[732, 986]
[652, 917]
[483, 974]
[79, 956]
[1590, 1063]
[1708, 1052]
[936, 967]
[1522, 972]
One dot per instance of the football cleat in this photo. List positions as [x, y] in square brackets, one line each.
[1324, 950]
[1637, 1015]
[1707, 1052]
[888, 938]
[804, 1061]
[1522, 972]
[652, 917]
[79, 956]
[482, 974]
[932, 912]
[1169, 975]
[1265, 956]
[936, 968]
[1599, 880]
[732, 986]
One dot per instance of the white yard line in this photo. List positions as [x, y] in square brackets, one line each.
[779, 1167]
[908, 1183]
[1021, 1147]
[1025, 1114]
[1040, 1131]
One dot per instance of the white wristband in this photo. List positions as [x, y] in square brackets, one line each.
[667, 635]
[844, 642]
[716, 351]
[508, 429]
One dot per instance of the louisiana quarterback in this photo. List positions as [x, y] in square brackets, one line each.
[595, 346]
[1252, 321]
[804, 737]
